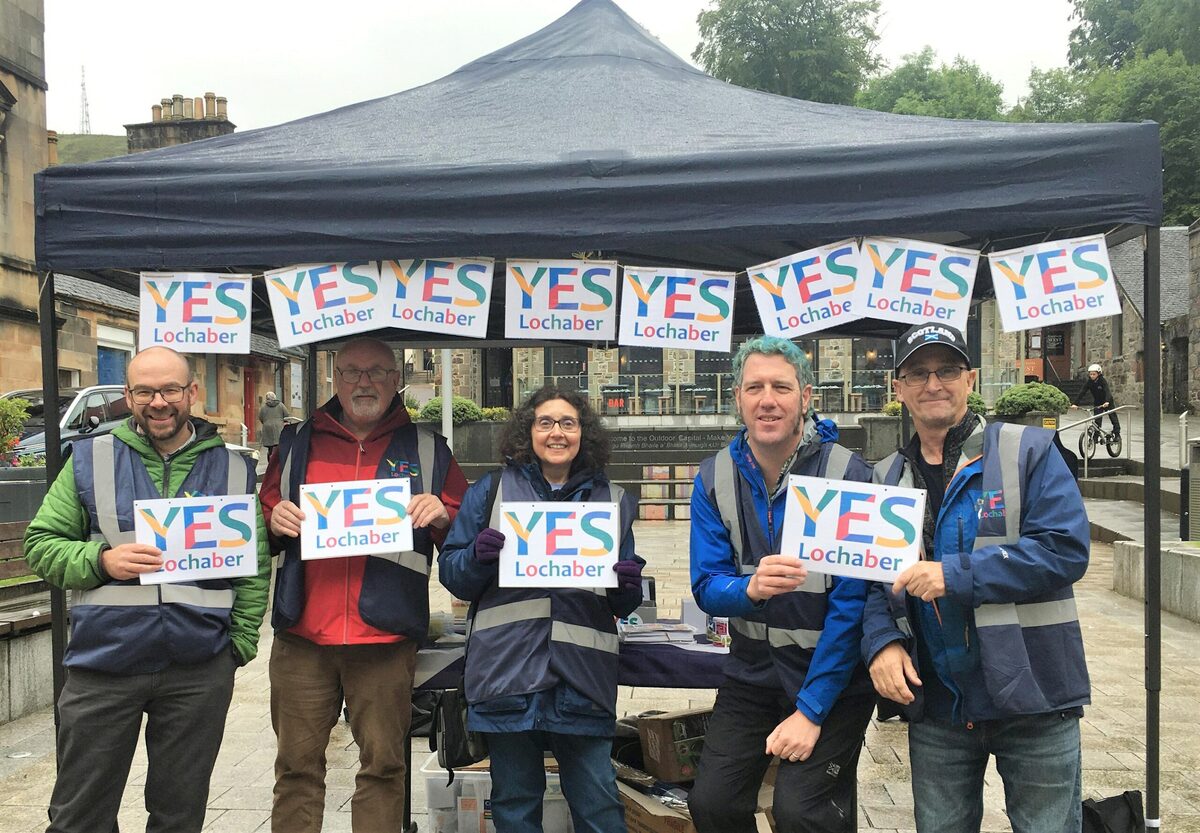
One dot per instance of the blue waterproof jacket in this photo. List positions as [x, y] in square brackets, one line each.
[821, 671]
[537, 658]
[1012, 536]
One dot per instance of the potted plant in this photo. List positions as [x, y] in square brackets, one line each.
[1033, 403]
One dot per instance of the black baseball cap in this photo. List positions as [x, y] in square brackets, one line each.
[925, 335]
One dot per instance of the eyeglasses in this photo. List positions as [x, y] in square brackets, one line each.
[544, 425]
[352, 375]
[919, 378]
[144, 396]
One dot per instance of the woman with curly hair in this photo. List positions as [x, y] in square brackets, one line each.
[542, 663]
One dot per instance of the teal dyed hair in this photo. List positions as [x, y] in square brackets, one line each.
[773, 346]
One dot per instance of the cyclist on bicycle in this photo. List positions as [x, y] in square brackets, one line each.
[1102, 399]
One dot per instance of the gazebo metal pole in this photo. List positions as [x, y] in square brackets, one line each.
[1152, 352]
[58, 597]
[310, 382]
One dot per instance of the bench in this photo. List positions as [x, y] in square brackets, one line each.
[24, 598]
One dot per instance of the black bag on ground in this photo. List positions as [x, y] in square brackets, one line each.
[1116, 814]
[448, 736]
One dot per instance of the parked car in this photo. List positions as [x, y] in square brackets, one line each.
[82, 412]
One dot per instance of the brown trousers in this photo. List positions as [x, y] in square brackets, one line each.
[308, 682]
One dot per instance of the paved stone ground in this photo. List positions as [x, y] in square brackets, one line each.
[1113, 728]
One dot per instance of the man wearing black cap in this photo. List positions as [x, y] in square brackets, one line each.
[979, 642]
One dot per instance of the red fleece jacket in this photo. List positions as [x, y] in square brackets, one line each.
[332, 586]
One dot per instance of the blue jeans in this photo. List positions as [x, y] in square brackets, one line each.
[1037, 757]
[584, 766]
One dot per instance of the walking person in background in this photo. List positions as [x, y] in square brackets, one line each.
[271, 415]
[542, 663]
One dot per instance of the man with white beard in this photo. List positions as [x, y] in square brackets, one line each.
[351, 626]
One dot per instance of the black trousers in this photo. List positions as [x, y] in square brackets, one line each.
[1112, 417]
[819, 795]
[100, 719]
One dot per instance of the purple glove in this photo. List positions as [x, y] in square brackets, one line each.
[487, 545]
[629, 575]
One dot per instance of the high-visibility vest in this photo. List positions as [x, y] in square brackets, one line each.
[395, 585]
[124, 627]
[1031, 656]
[524, 640]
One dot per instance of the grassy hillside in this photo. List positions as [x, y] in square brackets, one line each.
[76, 148]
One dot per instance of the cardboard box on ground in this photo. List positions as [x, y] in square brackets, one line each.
[672, 743]
[645, 814]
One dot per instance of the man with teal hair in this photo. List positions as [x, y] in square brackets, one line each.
[795, 686]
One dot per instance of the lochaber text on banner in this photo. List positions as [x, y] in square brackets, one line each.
[316, 302]
[679, 308]
[446, 295]
[914, 282]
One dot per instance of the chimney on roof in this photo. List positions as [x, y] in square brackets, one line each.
[198, 108]
[187, 108]
[177, 106]
[52, 146]
[210, 105]
[166, 108]
[221, 104]
[156, 112]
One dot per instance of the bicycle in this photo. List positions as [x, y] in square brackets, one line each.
[1093, 435]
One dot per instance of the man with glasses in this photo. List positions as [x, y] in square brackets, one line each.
[169, 650]
[795, 686]
[350, 627]
[978, 644]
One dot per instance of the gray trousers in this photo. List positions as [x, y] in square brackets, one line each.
[100, 718]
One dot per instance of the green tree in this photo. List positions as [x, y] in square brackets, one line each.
[960, 90]
[1106, 34]
[1110, 33]
[1055, 95]
[1165, 88]
[819, 50]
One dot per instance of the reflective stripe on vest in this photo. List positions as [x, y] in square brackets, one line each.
[792, 637]
[585, 637]
[143, 595]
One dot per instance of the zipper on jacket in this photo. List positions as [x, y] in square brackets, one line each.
[967, 624]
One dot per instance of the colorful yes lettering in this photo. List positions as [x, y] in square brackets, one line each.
[914, 282]
[201, 537]
[315, 302]
[807, 291]
[360, 517]
[448, 295]
[677, 308]
[1054, 282]
[561, 299]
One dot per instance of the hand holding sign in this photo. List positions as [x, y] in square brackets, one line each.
[774, 575]
[428, 510]
[286, 518]
[926, 580]
[131, 560]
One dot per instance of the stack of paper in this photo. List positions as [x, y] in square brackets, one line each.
[656, 632]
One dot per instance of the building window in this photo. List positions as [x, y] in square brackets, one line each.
[1118, 336]
[114, 348]
[566, 367]
[212, 385]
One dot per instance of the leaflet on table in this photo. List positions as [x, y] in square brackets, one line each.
[857, 530]
[553, 544]
[356, 517]
[200, 537]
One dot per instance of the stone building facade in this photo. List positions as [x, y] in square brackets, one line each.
[24, 151]
[1194, 316]
[178, 120]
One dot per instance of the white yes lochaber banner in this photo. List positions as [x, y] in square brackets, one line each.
[559, 544]
[200, 537]
[914, 282]
[320, 301]
[1054, 283]
[357, 517]
[560, 299]
[808, 291]
[194, 312]
[857, 530]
